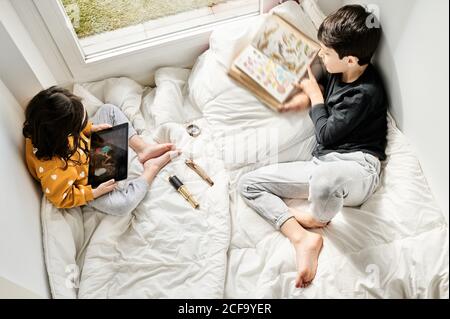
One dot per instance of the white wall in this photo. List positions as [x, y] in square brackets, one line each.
[21, 251]
[22, 68]
[413, 58]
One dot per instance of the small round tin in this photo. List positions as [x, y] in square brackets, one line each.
[193, 130]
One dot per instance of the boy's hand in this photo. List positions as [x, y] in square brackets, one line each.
[298, 102]
[99, 127]
[312, 89]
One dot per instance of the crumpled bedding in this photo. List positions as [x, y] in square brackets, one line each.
[394, 246]
[165, 248]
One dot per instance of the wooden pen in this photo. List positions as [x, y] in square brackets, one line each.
[190, 163]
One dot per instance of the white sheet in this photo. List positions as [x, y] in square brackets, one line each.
[394, 246]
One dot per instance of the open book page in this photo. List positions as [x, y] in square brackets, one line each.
[286, 45]
[271, 76]
[275, 60]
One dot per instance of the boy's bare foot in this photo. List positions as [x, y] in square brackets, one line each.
[154, 150]
[154, 165]
[306, 220]
[307, 252]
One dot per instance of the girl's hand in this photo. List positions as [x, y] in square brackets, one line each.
[312, 89]
[99, 127]
[104, 188]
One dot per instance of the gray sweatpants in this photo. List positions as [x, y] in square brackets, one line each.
[120, 201]
[328, 182]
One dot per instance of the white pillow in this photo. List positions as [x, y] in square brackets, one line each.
[238, 118]
[314, 12]
[90, 102]
[227, 41]
[170, 103]
[122, 92]
[63, 238]
[306, 17]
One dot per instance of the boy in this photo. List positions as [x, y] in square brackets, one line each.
[349, 114]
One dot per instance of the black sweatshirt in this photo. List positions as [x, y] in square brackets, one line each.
[353, 117]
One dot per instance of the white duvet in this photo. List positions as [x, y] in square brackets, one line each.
[393, 246]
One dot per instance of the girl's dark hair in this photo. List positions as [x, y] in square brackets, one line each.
[51, 117]
[351, 31]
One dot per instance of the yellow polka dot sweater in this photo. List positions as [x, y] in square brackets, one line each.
[64, 186]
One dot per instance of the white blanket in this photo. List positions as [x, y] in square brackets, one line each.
[165, 249]
[393, 246]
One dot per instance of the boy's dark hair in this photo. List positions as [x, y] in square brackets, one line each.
[351, 31]
[51, 117]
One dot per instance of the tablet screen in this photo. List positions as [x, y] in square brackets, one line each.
[108, 155]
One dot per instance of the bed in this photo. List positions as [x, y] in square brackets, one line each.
[394, 246]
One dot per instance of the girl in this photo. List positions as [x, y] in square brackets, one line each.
[57, 132]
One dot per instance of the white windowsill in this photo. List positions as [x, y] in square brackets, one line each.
[158, 32]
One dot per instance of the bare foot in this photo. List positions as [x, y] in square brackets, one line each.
[154, 150]
[306, 220]
[154, 165]
[161, 161]
[307, 252]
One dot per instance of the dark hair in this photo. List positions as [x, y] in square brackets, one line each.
[51, 117]
[351, 31]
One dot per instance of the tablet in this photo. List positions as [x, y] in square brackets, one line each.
[108, 155]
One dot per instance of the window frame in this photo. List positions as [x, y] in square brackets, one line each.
[65, 61]
[54, 16]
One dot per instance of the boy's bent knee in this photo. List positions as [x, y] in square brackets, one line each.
[326, 198]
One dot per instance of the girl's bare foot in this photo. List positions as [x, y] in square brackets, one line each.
[154, 165]
[306, 220]
[154, 150]
[307, 252]
[161, 161]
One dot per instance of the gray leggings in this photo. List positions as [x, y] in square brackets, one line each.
[120, 201]
[328, 182]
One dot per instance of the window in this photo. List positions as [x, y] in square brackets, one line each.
[131, 47]
[103, 27]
